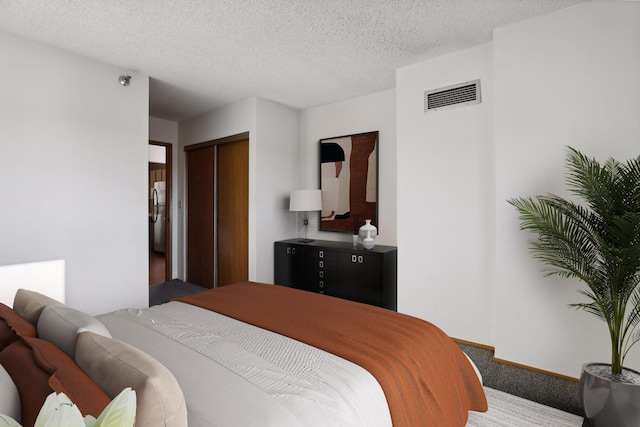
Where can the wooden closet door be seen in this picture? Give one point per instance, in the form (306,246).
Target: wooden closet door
(233,212)
(200,216)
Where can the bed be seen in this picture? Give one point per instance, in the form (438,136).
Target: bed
(253,354)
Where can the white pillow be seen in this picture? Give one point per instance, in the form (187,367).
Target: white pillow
(29,304)
(10,401)
(475,368)
(61,326)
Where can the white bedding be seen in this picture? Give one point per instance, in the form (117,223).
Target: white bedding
(235,374)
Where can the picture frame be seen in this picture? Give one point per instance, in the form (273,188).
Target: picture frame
(349,181)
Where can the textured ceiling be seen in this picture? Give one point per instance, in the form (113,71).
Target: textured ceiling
(201,54)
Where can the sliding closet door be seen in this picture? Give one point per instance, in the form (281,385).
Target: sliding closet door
(233,212)
(200,216)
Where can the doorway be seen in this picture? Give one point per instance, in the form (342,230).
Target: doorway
(159,192)
(218,211)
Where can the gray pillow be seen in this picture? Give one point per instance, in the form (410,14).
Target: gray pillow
(29,304)
(10,401)
(114,365)
(61,326)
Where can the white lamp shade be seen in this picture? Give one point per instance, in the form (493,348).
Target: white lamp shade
(305,200)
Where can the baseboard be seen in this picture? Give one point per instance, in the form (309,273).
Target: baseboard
(548,388)
(517,365)
(475,344)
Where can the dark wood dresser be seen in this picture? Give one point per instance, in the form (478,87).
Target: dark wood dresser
(337,269)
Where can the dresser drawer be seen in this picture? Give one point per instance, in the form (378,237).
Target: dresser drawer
(324,286)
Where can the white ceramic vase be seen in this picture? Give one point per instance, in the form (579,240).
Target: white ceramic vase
(368,233)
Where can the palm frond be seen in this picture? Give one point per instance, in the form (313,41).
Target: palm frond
(633,317)
(597,243)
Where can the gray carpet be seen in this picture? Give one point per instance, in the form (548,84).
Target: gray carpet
(165,292)
(507,410)
(546,389)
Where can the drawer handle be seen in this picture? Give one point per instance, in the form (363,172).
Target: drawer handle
(360,259)
(321,254)
(321,273)
(354,258)
(293,250)
(321,264)
(321,283)
(288,250)
(321,292)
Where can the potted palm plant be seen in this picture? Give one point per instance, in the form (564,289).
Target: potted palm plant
(597,243)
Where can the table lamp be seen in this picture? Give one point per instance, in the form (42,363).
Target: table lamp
(305,201)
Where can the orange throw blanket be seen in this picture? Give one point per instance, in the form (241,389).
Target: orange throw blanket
(426,378)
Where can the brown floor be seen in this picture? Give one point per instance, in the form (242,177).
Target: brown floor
(156,268)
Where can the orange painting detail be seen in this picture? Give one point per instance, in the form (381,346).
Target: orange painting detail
(349,181)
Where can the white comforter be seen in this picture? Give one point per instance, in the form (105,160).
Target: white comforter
(235,374)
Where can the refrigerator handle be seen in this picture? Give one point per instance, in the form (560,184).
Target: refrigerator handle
(155,205)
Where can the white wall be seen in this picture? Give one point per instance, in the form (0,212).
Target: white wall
(272,136)
(157,153)
(569,78)
(445,198)
(161,130)
(277,149)
(364,114)
(73,161)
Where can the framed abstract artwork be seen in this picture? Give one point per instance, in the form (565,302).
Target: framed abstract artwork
(349,181)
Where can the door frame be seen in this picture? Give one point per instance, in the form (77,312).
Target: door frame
(168,253)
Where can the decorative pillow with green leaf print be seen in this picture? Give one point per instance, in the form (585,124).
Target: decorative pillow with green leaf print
(59,411)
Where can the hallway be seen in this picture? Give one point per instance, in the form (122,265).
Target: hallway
(156,268)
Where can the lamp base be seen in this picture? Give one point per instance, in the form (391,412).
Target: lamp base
(304,223)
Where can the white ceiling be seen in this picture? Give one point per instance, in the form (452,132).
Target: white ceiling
(201,54)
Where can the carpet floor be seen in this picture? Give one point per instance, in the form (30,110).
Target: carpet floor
(165,292)
(507,410)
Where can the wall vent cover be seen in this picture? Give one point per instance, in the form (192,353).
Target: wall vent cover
(459,95)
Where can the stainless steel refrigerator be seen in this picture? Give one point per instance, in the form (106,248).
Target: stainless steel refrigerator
(157,216)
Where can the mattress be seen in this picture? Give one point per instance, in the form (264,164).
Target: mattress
(425,376)
(236,374)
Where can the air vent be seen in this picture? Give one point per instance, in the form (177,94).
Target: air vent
(459,95)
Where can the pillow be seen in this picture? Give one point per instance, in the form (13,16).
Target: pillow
(114,365)
(29,304)
(38,368)
(13,325)
(475,368)
(10,402)
(61,326)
